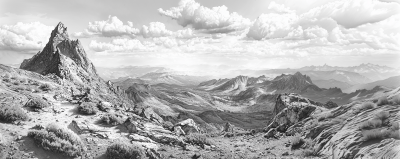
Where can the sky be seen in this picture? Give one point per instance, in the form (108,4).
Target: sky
(207,35)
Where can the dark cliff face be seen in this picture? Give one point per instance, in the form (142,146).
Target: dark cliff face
(61,56)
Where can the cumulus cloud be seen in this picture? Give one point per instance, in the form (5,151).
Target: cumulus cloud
(112,27)
(119,45)
(336,23)
(155,29)
(211,20)
(24,37)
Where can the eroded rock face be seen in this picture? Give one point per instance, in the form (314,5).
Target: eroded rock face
(290,109)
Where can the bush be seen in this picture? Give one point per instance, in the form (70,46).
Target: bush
(124,151)
(197,139)
(45,87)
(367,105)
(6,80)
(37,103)
(58,139)
(296,142)
(371,124)
(374,134)
(113,119)
(88,108)
(16,83)
(396,99)
(168,125)
(383,115)
(11,113)
(382,101)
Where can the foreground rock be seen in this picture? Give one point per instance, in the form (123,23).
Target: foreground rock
(289,110)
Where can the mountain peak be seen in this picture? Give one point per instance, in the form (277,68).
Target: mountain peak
(64,57)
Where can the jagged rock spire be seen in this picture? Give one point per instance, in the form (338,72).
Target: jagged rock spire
(62,56)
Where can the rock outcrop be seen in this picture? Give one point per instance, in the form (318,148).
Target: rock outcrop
(188,126)
(289,109)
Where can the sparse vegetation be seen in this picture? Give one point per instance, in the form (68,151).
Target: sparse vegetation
(124,151)
(45,87)
(197,139)
(113,119)
(374,134)
(396,99)
(88,108)
(296,142)
(382,115)
(371,124)
(58,139)
(11,113)
(382,101)
(367,105)
(37,103)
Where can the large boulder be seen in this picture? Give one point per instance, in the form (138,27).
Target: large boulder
(188,126)
(82,127)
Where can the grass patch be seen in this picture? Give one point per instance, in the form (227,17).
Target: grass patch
(124,151)
(11,113)
(88,108)
(112,119)
(382,101)
(58,139)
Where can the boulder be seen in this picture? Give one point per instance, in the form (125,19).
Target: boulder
(139,138)
(82,127)
(148,113)
(131,125)
(330,105)
(188,126)
(178,131)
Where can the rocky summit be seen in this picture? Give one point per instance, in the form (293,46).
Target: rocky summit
(56,105)
(63,57)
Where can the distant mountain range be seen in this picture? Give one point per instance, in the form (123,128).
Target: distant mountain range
(390,83)
(371,71)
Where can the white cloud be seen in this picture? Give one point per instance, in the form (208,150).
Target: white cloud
(24,36)
(120,45)
(279,8)
(112,27)
(155,29)
(211,20)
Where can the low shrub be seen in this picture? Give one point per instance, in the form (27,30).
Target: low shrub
(396,100)
(383,115)
(374,134)
(16,83)
(296,142)
(58,139)
(11,113)
(113,119)
(197,139)
(37,103)
(371,124)
(310,152)
(45,87)
(88,108)
(124,151)
(382,101)
(367,105)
